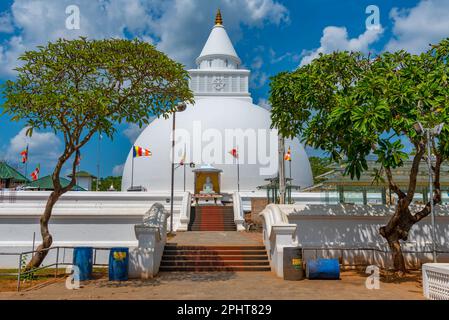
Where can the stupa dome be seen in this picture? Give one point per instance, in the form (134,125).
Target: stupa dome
(223,118)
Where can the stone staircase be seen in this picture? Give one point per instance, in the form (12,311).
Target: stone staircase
(212,218)
(215,258)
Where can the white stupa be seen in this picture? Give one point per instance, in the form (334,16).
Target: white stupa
(223,118)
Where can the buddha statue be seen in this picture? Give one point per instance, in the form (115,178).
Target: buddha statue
(208,187)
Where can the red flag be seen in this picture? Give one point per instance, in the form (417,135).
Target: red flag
(234,153)
(288,155)
(35,173)
(24,155)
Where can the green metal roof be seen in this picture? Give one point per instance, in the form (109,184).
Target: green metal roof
(46,183)
(83,174)
(335,177)
(7,172)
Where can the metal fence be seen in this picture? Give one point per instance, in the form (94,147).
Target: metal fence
(371,260)
(60,260)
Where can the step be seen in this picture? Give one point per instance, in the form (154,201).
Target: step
(205,257)
(215,269)
(215,252)
(213,263)
(220,223)
(169,246)
(213,229)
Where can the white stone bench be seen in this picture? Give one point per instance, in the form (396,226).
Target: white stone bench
(436,281)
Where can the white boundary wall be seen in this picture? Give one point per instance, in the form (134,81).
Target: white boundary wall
(98,219)
(346,226)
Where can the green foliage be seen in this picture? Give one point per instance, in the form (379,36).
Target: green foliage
(80,87)
(353,106)
(319,166)
(105,184)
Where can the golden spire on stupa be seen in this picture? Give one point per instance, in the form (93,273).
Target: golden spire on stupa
(218,18)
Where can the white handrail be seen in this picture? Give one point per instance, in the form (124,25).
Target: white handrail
(186,205)
(239,215)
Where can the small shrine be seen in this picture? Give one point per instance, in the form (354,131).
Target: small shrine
(207,185)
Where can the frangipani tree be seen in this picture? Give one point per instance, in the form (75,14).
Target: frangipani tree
(79,87)
(353,106)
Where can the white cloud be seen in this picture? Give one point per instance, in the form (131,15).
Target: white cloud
(414,29)
(6,22)
(133,131)
(44,148)
(177,27)
(337,39)
(118,170)
(264,103)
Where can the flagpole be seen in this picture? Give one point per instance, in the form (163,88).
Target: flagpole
(132,171)
(184,165)
(26,162)
(98,161)
(238,175)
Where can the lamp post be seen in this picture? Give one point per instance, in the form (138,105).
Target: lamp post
(430,132)
(180,108)
(281,151)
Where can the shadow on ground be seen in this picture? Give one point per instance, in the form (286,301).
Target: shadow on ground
(166,278)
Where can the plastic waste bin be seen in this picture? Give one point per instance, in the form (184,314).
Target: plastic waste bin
(293,269)
(328,269)
(82,260)
(118,264)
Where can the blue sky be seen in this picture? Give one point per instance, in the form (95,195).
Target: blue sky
(269,35)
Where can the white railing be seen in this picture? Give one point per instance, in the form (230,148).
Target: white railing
(239,214)
(436,281)
(278,233)
(186,207)
(145,260)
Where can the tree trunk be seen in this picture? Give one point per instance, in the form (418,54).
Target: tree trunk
(47,240)
(398,229)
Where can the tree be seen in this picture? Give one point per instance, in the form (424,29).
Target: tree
(352,106)
(80,87)
(319,166)
(105,183)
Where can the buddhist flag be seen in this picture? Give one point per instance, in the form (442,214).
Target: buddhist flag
(288,155)
(24,155)
(234,153)
(141,152)
(35,173)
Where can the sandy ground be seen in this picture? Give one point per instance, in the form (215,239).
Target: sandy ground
(227,286)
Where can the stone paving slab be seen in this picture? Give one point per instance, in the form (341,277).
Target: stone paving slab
(228,286)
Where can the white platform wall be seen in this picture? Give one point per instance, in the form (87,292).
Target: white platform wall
(348,226)
(98,219)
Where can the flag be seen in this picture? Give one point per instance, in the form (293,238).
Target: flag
(141,152)
(288,155)
(24,155)
(78,160)
(234,153)
(35,173)
(183,159)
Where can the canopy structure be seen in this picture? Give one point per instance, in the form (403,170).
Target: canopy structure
(46,184)
(273,189)
(10,177)
(336,181)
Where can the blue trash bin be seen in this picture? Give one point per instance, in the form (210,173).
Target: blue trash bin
(118,264)
(82,259)
(327,269)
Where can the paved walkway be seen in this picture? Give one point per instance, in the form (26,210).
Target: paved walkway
(228,286)
(216,238)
